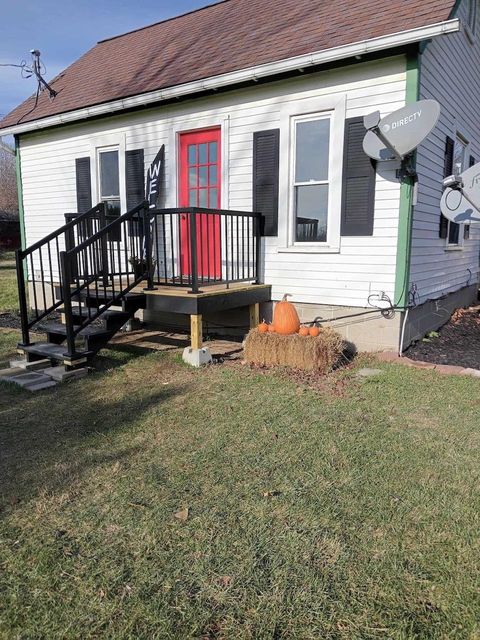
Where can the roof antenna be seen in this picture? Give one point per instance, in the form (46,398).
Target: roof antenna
(37,69)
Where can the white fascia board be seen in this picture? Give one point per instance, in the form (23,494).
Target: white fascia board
(244,75)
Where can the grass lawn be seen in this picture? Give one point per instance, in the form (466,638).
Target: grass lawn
(352,512)
(8,282)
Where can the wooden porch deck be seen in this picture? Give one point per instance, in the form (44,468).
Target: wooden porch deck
(212,298)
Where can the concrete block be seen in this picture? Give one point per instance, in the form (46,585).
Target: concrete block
(41,386)
(197,357)
(35,365)
(369,373)
(10,373)
(60,374)
(29,379)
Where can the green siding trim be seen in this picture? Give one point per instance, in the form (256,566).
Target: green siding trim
(20,192)
(404,240)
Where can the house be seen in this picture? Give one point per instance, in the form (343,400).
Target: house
(260,108)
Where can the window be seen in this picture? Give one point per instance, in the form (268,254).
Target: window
(109,182)
(472,14)
(311,178)
(459,164)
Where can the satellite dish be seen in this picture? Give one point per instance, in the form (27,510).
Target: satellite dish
(400,133)
(461,199)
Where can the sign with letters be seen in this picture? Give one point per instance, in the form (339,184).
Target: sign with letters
(461,199)
(400,133)
(154,176)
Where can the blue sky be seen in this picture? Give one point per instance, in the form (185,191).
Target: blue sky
(64,29)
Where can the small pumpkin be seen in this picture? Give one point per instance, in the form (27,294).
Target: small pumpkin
(314,331)
(271,328)
(263,327)
(285,317)
(303,331)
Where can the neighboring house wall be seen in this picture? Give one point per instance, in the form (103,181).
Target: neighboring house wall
(346,273)
(450,73)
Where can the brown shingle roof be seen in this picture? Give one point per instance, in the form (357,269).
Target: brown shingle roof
(224,37)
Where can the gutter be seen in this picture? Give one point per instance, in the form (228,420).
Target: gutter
(303,62)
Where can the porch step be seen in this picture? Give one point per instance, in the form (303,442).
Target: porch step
(130,303)
(60,329)
(53,352)
(111,317)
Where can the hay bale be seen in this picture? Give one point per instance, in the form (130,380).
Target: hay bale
(320,354)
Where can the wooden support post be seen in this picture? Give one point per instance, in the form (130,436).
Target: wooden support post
(196,331)
(254,315)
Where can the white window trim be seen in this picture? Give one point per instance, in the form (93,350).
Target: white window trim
(101,150)
(102,143)
(460,245)
(335,107)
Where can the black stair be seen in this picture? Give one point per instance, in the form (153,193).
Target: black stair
(91,338)
(94,285)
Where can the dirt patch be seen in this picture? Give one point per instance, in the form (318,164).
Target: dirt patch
(457,343)
(10,320)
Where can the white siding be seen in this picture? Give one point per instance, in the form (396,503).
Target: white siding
(361,266)
(450,73)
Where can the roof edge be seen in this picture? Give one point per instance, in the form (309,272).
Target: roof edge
(325,56)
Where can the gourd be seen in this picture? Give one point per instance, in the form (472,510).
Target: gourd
(303,331)
(271,328)
(285,317)
(314,331)
(263,327)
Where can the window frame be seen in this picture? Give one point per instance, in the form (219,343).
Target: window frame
(100,142)
(101,198)
(455,246)
(314,117)
(310,109)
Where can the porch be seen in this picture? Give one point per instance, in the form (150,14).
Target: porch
(97,272)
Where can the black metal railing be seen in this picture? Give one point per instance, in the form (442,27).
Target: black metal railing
(38,268)
(195,247)
(104,268)
(99,259)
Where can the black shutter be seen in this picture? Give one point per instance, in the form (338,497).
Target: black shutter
(358,192)
(447,171)
(266,163)
(134,178)
(84,184)
(466,228)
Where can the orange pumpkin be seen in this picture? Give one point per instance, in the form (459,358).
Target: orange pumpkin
(271,328)
(285,317)
(263,327)
(303,331)
(314,331)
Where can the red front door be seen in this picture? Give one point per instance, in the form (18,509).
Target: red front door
(200,180)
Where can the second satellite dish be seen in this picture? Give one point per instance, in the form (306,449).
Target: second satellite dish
(400,133)
(461,199)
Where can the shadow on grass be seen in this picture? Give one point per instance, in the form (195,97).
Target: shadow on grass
(48,440)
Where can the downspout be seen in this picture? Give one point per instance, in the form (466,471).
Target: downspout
(405,224)
(18,168)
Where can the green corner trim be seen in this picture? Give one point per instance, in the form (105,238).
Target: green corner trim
(20,192)
(404,241)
